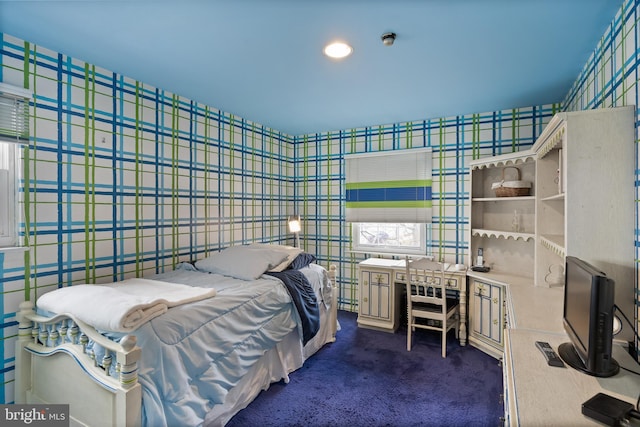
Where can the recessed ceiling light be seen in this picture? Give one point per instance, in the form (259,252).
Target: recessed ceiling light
(337,50)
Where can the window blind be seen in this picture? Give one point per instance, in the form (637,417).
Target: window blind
(390,186)
(14,114)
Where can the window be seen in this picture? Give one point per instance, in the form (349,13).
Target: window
(388,200)
(395,238)
(14,131)
(8,190)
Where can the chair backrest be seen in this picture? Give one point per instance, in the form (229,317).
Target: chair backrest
(427,282)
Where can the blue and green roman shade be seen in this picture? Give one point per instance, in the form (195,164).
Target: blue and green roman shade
(389,186)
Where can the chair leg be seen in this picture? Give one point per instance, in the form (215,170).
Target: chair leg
(409,328)
(444,342)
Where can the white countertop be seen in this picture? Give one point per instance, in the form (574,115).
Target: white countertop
(383,262)
(535,308)
(551,396)
(400,263)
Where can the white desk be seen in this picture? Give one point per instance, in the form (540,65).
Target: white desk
(380,286)
(537,394)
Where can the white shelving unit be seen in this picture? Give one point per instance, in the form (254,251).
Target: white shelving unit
(506,246)
(551,182)
(582,204)
(585,195)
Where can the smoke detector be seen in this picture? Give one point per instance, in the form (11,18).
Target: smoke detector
(388,38)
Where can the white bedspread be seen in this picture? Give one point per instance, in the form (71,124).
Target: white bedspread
(123,306)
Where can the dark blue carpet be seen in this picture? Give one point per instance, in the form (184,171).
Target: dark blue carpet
(367,378)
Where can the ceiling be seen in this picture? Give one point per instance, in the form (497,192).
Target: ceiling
(262,59)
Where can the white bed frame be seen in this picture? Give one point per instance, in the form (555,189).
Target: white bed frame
(51,370)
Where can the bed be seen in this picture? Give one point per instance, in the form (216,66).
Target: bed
(197,361)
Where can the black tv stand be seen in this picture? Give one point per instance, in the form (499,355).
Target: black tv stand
(568,353)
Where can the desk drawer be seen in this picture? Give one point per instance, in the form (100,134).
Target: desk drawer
(452,282)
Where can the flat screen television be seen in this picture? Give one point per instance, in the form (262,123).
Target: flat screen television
(588,319)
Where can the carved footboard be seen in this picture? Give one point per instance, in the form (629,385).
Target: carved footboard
(54,365)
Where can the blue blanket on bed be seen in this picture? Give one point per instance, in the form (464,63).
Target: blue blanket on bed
(304,298)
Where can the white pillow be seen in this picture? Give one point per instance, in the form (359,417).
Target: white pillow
(242,262)
(290,251)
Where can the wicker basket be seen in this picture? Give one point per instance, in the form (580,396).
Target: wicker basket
(511,188)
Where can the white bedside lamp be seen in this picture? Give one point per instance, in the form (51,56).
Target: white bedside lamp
(294,227)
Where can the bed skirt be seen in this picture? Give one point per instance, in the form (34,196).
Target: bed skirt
(276,364)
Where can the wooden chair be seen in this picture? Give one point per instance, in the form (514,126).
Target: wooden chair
(427,304)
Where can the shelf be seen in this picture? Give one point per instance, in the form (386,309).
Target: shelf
(553,242)
(509,159)
(498,234)
(503,199)
(553,198)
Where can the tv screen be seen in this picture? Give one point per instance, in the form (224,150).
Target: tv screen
(588,319)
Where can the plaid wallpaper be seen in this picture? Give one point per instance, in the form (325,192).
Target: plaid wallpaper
(123,179)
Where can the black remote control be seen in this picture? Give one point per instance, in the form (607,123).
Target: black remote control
(552,358)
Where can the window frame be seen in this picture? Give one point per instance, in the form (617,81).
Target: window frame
(356,246)
(9,185)
(14,136)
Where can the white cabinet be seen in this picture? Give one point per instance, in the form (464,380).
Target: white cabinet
(487,316)
(585,197)
(379,296)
